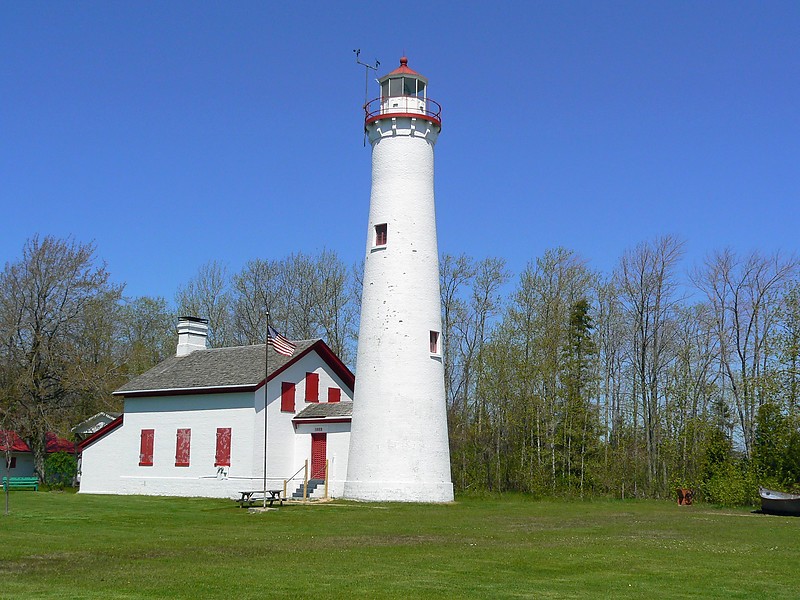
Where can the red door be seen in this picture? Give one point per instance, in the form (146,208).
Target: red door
(319,443)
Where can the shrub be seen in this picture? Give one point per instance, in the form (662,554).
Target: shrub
(731,484)
(61,469)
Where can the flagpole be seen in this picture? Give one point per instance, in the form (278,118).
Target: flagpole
(266,386)
(285,348)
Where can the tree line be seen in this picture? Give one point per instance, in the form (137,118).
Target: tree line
(631,383)
(560,380)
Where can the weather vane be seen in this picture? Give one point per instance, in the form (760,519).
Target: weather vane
(367,68)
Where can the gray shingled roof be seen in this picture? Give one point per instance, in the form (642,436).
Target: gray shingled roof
(216,367)
(326,410)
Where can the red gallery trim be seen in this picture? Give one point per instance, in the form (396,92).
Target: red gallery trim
(383,116)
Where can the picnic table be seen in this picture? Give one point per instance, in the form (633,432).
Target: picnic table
(250,497)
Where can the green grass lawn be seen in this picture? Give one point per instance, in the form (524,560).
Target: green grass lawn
(62,545)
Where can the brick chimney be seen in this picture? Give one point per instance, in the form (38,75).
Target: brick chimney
(192,335)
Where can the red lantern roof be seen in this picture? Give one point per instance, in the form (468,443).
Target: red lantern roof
(403,68)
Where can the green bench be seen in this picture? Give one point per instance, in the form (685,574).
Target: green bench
(21,483)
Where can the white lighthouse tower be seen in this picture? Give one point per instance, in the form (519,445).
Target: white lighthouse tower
(398,445)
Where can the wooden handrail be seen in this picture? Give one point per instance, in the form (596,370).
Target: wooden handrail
(285,481)
(305,483)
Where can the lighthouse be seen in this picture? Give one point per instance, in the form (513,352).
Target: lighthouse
(398,444)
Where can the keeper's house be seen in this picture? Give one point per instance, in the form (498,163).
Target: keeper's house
(194,425)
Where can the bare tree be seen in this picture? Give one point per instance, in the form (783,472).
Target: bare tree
(147,333)
(745,294)
(207,295)
(297,281)
(334,309)
(455,274)
(611,339)
(307,296)
(647,283)
(54,307)
(255,290)
(691,387)
(5,444)
(470,300)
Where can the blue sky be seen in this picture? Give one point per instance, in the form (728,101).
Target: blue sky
(174,133)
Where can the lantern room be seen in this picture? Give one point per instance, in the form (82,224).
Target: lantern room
(404,92)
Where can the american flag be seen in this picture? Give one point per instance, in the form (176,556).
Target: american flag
(280,343)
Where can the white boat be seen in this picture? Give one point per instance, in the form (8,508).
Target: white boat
(779,503)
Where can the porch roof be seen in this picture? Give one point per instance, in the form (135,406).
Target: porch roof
(325,410)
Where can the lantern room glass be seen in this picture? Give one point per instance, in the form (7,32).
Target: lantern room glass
(403,86)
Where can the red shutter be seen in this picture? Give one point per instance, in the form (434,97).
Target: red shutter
(146,448)
(287,396)
(312,387)
(319,446)
(334,394)
(223,457)
(182,446)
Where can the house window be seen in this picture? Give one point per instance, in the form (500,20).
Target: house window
(146,447)
(334,394)
(287,397)
(434,342)
(182,446)
(380,234)
(11,463)
(223,455)
(312,387)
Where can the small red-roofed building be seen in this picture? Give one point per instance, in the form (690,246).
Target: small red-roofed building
(20,458)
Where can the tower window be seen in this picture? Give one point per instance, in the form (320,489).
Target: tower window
(380,234)
(434,342)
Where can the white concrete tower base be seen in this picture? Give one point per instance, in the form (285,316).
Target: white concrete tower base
(399,444)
